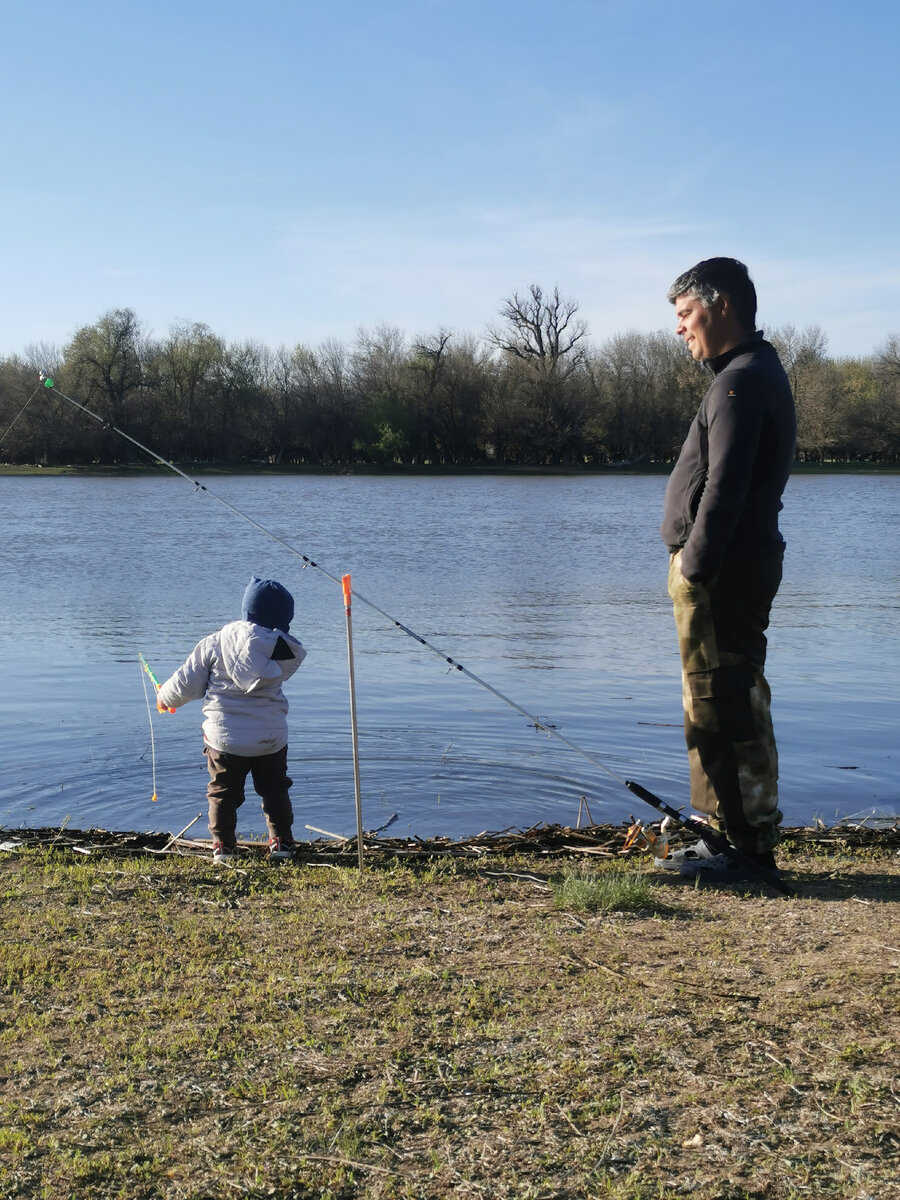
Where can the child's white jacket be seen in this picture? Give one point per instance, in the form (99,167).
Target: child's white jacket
(240,670)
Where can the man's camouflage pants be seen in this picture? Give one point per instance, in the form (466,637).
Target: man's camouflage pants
(721,626)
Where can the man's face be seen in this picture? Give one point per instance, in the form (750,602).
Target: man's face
(706,331)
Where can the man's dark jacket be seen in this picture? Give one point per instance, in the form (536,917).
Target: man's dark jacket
(724,494)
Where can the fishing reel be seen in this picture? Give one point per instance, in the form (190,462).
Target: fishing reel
(645,837)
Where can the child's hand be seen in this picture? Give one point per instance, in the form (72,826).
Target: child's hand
(161,707)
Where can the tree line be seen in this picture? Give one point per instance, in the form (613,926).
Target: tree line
(531,390)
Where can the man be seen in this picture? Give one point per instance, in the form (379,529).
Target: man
(720,523)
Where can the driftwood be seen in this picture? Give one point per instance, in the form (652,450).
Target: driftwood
(556,841)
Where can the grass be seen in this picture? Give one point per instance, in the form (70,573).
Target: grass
(173,1030)
(614,889)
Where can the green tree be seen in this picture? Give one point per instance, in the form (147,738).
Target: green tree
(380,366)
(104,364)
(243,412)
(327,406)
(183,372)
(454,377)
(649,390)
(34,426)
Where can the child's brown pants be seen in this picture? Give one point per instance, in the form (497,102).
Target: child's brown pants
(225,792)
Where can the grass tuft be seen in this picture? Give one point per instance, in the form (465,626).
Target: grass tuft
(614,890)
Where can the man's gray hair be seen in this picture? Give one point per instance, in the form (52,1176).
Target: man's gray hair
(708,279)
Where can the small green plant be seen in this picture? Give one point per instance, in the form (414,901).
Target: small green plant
(608,891)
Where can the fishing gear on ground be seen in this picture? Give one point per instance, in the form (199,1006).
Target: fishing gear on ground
(717,841)
(641,836)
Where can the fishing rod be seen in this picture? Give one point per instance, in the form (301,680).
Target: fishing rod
(146,668)
(717,841)
(154,681)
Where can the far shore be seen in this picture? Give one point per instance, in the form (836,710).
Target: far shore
(411,469)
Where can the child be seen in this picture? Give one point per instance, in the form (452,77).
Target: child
(239,670)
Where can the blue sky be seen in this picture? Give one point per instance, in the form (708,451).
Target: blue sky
(290,171)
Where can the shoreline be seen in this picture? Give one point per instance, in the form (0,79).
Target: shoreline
(410,469)
(552,841)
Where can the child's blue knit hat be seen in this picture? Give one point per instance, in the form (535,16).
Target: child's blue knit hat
(268,603)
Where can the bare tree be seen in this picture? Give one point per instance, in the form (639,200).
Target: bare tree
(813,383)
(887,358)
(542,331)
(539,410)
(881,432)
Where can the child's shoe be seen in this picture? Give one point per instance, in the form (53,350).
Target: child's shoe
(224,854)
(280,850)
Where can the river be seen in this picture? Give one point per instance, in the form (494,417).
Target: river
(549,588)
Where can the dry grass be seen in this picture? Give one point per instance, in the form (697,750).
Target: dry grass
(170,1029)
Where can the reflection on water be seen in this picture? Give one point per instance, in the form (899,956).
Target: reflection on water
(552,589)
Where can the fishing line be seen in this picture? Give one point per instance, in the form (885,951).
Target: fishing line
(718,841)
(308,562)
(150,720)
(21,410)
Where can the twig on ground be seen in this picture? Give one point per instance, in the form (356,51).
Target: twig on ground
(181,833)
(651,983)
(612,1132)
(338,837)
(347,1162)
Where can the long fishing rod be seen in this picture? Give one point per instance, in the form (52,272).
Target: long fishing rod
(717,841)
